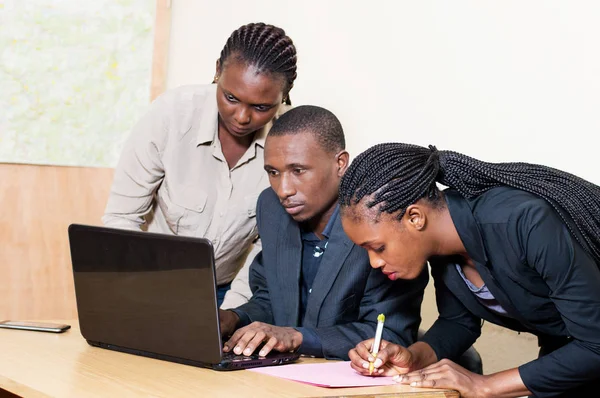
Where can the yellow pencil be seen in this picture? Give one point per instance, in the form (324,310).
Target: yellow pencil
(377,342)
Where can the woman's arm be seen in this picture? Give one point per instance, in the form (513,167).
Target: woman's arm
(456,328)
(418,366)
(240,292)
(139,171)
(447,374)
(573,281)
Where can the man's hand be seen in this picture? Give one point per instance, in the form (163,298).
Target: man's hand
(228,321)
(247,339)
(391,360)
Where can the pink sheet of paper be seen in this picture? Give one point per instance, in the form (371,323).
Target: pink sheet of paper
(327,374)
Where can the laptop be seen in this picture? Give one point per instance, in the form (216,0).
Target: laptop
(153,295)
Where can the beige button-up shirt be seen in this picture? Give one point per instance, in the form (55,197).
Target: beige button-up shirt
(172,178)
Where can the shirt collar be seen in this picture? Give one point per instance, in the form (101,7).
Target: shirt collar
(310,235)
(331,222)
(466,226)
(208,124)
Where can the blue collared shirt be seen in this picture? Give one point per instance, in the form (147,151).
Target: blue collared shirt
(313,250)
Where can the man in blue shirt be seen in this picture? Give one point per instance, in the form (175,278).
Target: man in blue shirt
(313,248)
(314,291)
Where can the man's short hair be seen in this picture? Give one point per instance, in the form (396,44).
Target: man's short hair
(320,122)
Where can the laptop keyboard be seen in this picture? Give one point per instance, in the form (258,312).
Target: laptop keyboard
(231,356)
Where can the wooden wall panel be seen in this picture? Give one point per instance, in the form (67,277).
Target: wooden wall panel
(160,53)
(37,203)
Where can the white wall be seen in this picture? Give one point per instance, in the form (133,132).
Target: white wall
(502,81)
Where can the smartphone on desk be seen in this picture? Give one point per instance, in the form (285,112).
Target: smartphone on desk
(35,326)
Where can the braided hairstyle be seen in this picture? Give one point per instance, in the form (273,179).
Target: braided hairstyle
(397,175)
(267,48)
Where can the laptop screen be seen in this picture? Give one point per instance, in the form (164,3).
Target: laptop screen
(146,291)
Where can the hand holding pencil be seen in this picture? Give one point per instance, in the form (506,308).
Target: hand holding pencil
(378,357)
(377,343)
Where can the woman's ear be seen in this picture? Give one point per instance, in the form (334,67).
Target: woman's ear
(415,217)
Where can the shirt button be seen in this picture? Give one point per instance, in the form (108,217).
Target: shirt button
(309,291)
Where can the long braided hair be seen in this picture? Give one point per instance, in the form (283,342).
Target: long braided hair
(267,48)
(400,174)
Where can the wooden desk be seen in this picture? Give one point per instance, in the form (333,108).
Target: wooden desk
(37,364)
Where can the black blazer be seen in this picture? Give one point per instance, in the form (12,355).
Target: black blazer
(543,277)
(347,294)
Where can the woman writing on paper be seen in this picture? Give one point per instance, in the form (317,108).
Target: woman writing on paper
(514,244)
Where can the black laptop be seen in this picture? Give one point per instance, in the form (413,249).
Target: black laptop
(153,295)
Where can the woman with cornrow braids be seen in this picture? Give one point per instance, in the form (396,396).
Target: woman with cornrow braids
(193,164)
(514,244)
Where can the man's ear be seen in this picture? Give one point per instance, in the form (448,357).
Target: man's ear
(415,217)
(343,161)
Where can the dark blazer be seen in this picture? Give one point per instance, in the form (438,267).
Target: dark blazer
(347,294)
(541,275)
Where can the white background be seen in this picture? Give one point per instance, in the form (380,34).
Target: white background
(500,81)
